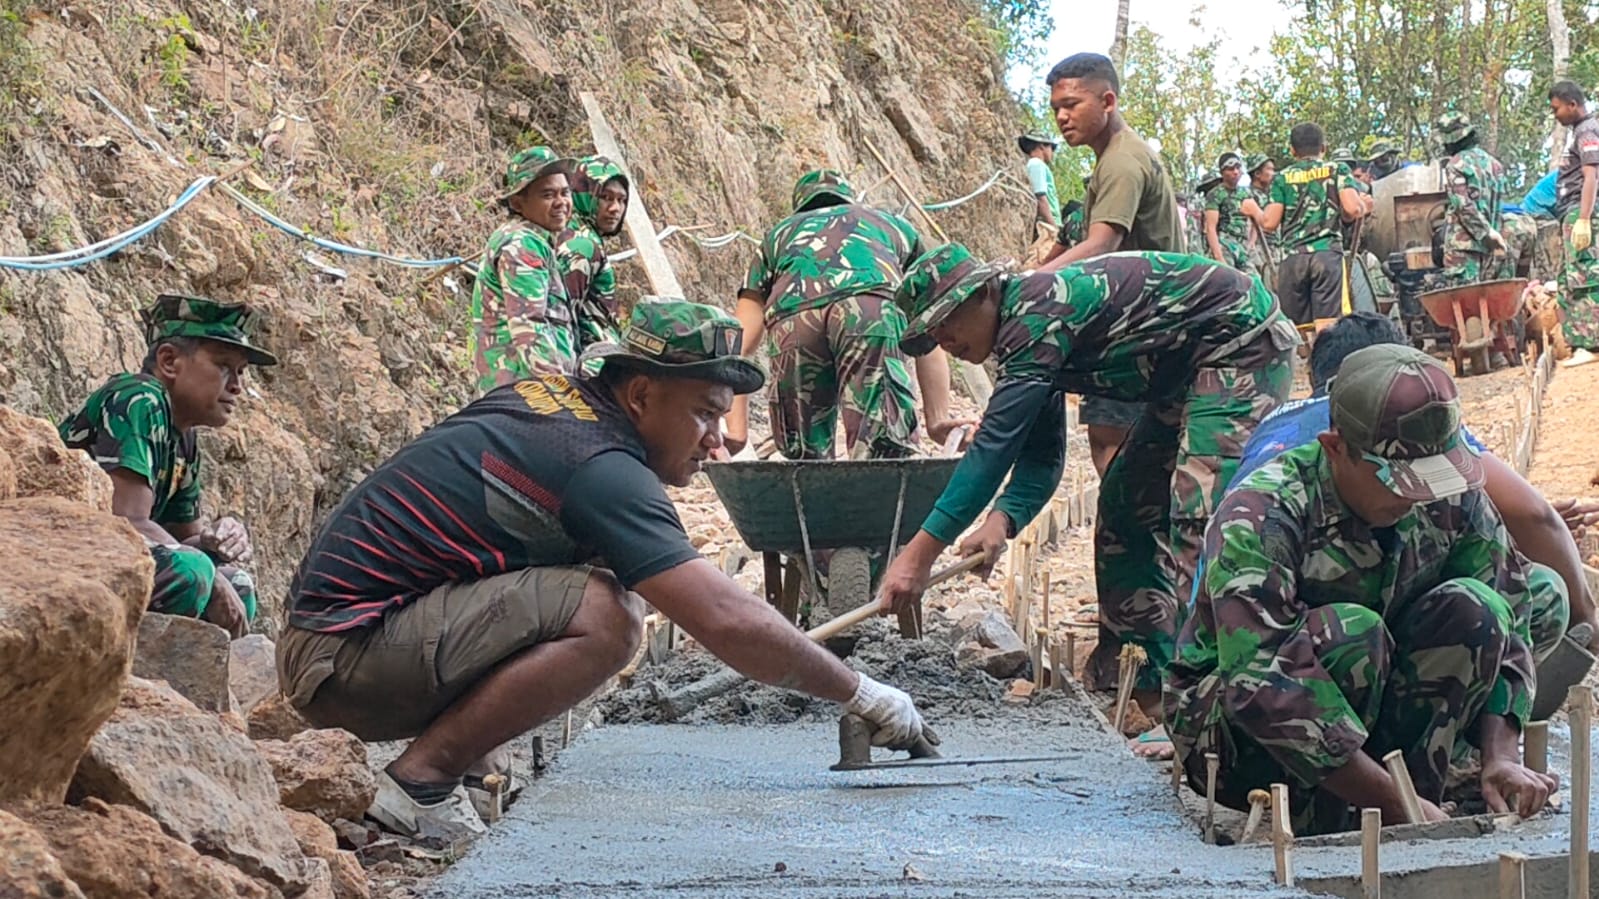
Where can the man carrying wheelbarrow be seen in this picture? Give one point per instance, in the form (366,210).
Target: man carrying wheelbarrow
(482,580)
(821,291)
(1202,345)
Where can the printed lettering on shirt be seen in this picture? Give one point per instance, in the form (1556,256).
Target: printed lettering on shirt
(552,394)
(1305,176)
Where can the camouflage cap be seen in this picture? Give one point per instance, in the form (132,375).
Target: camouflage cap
(529,165)
(1399,408)
(668,336)
(1255,161)
(1228,160)
(1453,127)
(935,284)
(1380,149)
(179,316)
(588,176)
(1027,141)
(1343,155)
(819,183)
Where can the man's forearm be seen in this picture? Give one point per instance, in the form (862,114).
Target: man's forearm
(1044,211)
(1095,244)
(1364,783)
(1498,738)
(932,376)
(1590,180)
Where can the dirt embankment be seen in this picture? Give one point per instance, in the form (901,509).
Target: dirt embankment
(386,125)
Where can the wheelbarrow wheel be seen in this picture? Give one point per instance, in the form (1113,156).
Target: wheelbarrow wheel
(849,578)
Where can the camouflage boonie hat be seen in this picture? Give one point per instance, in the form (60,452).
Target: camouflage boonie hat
(935,284)
(1453,127)
(1400,409)
(179,316)
(819,183)
(587,177)
(1203,185)
(1380,149)
(1343,155)
(1035,137)
(1255,161)
(680,339)
(1229,159)
(529,165)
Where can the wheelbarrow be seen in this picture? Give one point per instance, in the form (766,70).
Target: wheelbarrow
(1481,319)
(790,510)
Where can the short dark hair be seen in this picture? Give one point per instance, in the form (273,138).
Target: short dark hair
(1569,92)
(184,345)
(1355,331)
(1307,138)
(1086,67)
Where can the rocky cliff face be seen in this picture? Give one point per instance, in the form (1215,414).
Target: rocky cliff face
(385,124)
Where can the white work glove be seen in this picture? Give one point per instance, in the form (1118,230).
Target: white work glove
(891,712)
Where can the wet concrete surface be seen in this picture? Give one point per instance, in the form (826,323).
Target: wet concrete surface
(711,811)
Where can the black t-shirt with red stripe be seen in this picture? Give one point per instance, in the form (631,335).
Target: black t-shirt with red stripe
(546,471)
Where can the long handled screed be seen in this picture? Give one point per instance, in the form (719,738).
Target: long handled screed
(679,703)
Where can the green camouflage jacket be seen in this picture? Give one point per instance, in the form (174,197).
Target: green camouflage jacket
(1074,229)
(586,270)
(815,257)
(1284,542)
(1312,215)
(1232,226)
(522,321)
(127,424)
(1476,183)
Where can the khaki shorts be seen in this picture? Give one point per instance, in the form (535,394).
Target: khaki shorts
(389,681)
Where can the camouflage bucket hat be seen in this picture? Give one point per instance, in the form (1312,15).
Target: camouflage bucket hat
(1400,409)
(1255,161)
(179,316)
(529,165)
(684,340)
(1204,184)
(1453,127)
(1343,155)
(818,183)
(1229,160)
(934,286)
(1380,149)
(588,177)
(1026,142)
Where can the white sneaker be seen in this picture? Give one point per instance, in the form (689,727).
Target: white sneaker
(448,822)
(1579,357)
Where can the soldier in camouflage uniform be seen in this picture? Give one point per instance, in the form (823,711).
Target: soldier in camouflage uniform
(1194,214)
(1309,201)
(1383,160)
(523,322)
(1226,226)
(1263,250)
(822,290)
(599,204)
(1202,345)
(1073,227)
(1575,189)
(140,428)
(1476,182)
(1360,595)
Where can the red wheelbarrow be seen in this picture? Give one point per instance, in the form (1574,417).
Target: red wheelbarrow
(1482,320)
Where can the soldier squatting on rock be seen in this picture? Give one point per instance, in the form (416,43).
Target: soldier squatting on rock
(140,428)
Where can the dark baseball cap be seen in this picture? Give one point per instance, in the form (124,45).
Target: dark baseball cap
(1399,408)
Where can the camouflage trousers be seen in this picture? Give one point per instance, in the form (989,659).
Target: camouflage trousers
(1463,266)
(1235,253)
(1156,498)
(843,358)
(595,325)
(183,581)
(1416,680)
(1579,292)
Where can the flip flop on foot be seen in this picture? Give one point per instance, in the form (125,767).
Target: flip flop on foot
(1152,744)
(1579,357)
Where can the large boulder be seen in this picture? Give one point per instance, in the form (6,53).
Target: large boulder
(202,780)
(114,852)
(274,718)
(317,840)
(323,772)
(30,869)
(189,654)
(44,466)
(72,588)
(252,671)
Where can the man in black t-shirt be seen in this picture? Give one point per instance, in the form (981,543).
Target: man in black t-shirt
(479,583)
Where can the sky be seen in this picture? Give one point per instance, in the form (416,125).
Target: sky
(1089,25)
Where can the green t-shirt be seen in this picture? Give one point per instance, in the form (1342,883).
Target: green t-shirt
(1042,181)
(1129,189)
(127,424)
(1312,212)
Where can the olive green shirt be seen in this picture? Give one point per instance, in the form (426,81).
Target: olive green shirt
(1129,190)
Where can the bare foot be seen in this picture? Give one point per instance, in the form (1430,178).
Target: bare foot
(1153,744)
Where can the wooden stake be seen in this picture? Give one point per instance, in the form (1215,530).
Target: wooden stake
(1212,768)
(1370,866)
(1536,751)
(1040,637)
(1512,875)
(1579,702)
(1057,674)
(1407,788)
(1132,659)
(1282,835)
(566,732)
(1176,774)
(1043,599)
(1071,653)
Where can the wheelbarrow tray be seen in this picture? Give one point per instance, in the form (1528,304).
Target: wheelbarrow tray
(1503,296)
(847,503)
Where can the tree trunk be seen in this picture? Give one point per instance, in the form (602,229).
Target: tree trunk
(1560,41)
(1118,47)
